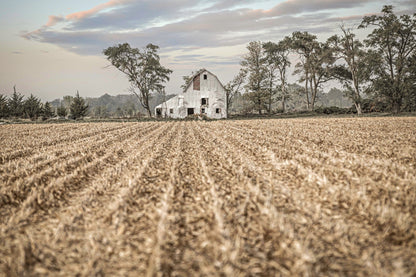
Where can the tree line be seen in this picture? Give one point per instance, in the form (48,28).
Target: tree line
(16,106)
(382,67)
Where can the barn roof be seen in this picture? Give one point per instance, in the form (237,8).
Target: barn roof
(199,73)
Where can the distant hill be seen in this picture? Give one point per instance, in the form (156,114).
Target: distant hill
(122,105)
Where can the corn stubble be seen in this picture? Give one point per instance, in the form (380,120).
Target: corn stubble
(309,197)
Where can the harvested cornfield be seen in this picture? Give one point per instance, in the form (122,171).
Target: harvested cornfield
(309,197)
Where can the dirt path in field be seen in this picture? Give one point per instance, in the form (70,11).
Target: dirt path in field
(224,198)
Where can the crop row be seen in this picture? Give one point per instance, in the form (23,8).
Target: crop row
(223,198)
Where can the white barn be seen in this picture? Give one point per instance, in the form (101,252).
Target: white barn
(204,95)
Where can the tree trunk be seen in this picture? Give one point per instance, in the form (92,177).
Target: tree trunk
(357,97)
(358,108)
(227,109)
(149,112)
(270,97)
(396,107)
(313,96)
(283,103)
(259,106)
(283,92)
(306,91)
(147,107)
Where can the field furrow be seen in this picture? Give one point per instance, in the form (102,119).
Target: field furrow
(48,156)
(289,197)
(57,138)
(307,196)
(50,187)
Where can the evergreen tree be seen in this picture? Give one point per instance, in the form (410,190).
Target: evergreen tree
(61,111)
(78,107)
(32,107)
(4,109)
(47,111)
(15,104)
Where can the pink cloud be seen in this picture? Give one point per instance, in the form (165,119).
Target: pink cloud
(96,9)
(53,19)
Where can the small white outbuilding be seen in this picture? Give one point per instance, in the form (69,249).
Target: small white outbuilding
(204,95)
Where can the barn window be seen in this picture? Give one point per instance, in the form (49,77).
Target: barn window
(205,77)
(190,111)
(217,110)
(203,110)
(204,101)
(171,111)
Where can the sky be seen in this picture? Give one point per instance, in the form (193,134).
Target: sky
(53,48)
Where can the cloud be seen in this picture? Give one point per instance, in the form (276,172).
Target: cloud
(189,24)
(95,10)
(54,20)
(301,6)
(17,53)
(208,59)
(128,15)
(229,4)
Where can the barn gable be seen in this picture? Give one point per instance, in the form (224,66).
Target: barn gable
(204,95)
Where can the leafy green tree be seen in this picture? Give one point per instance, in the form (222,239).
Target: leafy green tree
(47,110)
(187,80)
(278,55)
(129,108)
(234,87)
(316,63)
(119,112)
(67,100)
(256,87)
(15,104)
(320,67)
(61,111)
(4,109)
(271,76)
(101,111)
(304,44)
(393,39)
(143,69)
(78,107)
(32,107)
(356,72)
(409,103)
